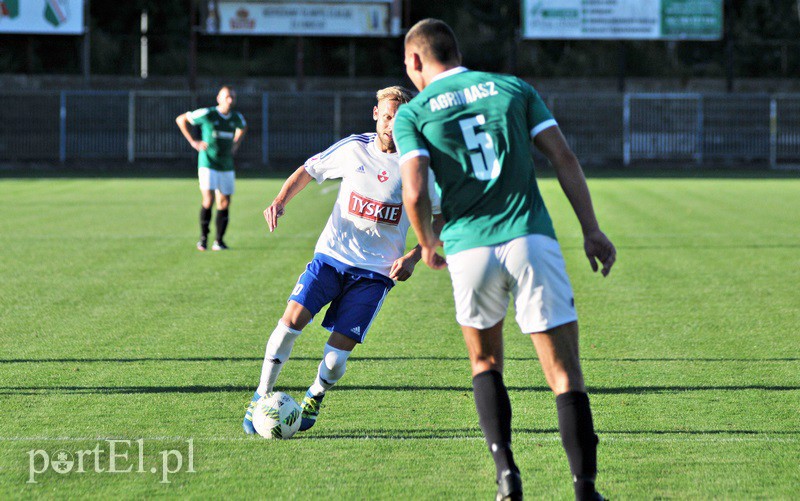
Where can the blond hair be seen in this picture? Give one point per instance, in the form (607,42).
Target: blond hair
(394,93)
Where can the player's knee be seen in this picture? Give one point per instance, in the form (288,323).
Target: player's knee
(563,381)
(296,316)
(292,323)
(483,364)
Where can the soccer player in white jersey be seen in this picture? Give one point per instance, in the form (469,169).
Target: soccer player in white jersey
(358,257)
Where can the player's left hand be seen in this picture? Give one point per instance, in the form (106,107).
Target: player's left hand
(402,269)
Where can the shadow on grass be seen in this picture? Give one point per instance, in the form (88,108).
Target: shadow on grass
(464,433)
(195,389)
(374,359)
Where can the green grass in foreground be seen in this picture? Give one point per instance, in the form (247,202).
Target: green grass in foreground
(114,327)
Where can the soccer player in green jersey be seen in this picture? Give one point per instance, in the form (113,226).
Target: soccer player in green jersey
(222,131)
(473,129)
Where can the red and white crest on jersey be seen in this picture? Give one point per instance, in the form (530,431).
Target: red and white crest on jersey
(383,176)
(374,210)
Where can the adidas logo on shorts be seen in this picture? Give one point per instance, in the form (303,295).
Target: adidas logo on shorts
(356,330)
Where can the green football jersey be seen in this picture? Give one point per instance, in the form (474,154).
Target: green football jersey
(217,130)
(476,127)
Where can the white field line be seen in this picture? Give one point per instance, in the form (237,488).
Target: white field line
(689,438)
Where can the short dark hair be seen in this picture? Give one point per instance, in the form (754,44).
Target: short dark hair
(435,40)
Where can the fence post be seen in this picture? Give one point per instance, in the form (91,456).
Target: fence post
(62,129)
(626,130)
(773,133)
(337,116)
(131,127)
(265,128)
(700,133)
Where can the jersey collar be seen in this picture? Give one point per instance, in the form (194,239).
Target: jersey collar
(376,149)
(223,115)
(451,71)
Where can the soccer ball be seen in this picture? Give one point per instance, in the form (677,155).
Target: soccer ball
(276,415)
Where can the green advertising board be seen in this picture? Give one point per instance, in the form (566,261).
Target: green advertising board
(622,19)
(691,19)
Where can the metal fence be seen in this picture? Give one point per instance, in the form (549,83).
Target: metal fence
(289,127)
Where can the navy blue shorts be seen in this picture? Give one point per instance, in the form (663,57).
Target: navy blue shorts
(354,299)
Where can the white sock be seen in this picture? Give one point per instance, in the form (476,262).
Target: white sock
(331,369)
(279,347)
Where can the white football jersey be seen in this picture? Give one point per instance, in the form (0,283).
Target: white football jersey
(368,226)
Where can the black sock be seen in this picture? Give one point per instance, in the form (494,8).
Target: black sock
(205,220)
(222,223)
(579,441)
(494,415)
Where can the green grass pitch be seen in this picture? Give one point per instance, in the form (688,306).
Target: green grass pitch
(115,327)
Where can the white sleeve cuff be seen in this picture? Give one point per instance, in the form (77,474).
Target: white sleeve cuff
(311,172)
(413,154)
(542,126)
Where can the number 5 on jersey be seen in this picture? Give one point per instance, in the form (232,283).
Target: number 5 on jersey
(484,160)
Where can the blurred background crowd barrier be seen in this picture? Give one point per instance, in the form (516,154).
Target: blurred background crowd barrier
(285,128)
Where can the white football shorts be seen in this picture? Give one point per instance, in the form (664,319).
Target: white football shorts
(216,180)
(530,268)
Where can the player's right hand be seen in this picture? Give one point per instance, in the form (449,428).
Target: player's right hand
(432,259)
(200,145)
(599,247)
(271,215)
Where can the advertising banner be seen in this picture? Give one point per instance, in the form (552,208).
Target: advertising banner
(44,17)
(622,19)
(227,17)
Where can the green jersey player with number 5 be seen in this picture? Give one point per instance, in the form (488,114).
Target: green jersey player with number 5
(474,129)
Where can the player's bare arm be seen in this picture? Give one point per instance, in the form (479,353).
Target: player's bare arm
(238,137)
(293,185)
(183,124)
(414,172)
(597,246)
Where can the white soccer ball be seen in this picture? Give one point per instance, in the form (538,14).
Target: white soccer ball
(277,415)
